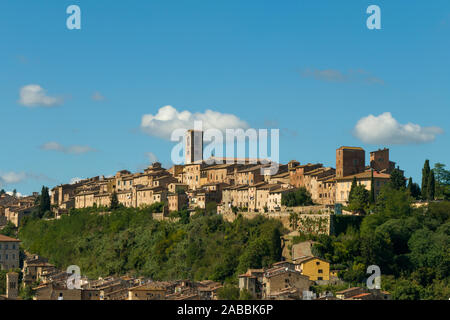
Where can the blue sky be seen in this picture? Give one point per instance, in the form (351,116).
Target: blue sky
(310,68)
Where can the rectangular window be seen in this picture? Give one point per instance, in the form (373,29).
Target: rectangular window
(320,271)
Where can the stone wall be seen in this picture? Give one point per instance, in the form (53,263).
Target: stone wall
(283,216)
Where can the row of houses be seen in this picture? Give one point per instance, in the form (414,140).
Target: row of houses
(251,185)
(14,208)
(49,283)
(243,183)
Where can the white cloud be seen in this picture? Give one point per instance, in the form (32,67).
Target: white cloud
(75,180)
(74,149)
(151,157)
(18,194)
(97,96)
(12,177)
(384,129)
(34,95)
(167,119)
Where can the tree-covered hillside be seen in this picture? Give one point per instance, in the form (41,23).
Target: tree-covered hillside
(128,240)
(410,245)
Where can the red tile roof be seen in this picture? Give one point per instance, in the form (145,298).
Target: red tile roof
(8,239)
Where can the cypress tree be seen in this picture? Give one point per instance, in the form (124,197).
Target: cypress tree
(410,182)
(44,201)
(372,188)
(431,185)
(352,189)
(114,201)
(425,179)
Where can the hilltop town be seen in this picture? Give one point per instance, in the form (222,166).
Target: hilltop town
(246,186)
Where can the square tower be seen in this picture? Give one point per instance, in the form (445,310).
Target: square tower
(194,146)
(350,160)
(379,160)
(12,285)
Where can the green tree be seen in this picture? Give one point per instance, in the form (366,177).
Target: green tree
(425,179)
(298,197)
(372,188)
(431,186)
(293,220)
(352,189)
(44,201)
(359,200)
(246,295)
(9,230)
(397,180)
(442,181)
(2,192)
(413,188)
(26,293)
(228,292)
(114,201)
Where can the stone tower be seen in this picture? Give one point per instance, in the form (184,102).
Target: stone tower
(194,146)
(12,285)
(350,160)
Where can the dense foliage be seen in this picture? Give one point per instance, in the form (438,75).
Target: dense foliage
(129,241)
(299,197)
(411,246)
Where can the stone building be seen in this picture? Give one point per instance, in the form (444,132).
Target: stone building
(349,161)
(313,267)
(9,253)
(344,184)
(379,161)
(176,201)
(279,279)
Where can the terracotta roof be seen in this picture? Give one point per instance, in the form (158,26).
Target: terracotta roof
(361,295)
(353,148)
(366,175)
(348,290)
(8,239)
(307,258)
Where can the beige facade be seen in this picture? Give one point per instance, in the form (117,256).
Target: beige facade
(151,291)
(313,267)
(84,199)
(277,280)
(16,214)
(177,201)
(191,175)
(344,184)
(9,253)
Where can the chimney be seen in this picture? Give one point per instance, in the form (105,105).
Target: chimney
(12,285)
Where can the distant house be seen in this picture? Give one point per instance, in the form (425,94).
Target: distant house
(358,293)
(9,253)
(151,291)
(313,267)
(279,280)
